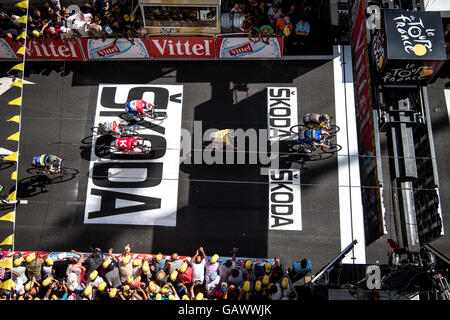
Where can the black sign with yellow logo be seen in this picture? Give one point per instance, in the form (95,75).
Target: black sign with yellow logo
(409,47)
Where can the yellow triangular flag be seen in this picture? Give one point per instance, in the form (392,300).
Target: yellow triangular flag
(21,50)
(17,83)
(16,102)
(21,36)
(17,67)
(15,119)
(11,157)
(8,241)
(14,136)
(22,19)
(12,196)
(22,4)
(14,175)
(8,285)
(8,217)
(7,263)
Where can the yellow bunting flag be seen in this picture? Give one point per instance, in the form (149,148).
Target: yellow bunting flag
(21,36)
(16,102)
(22,19)
(17,67)
(15,119)
(14,137)
(21,51)
(11,157)
(14,175)
(7,263)
(8,217)
(17,83)
(12,196)
(8,285)
(22,4)
(8,241)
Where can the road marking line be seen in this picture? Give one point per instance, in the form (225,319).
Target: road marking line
(447,101)
(350,203)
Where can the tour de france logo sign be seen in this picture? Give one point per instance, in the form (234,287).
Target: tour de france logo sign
(416,35)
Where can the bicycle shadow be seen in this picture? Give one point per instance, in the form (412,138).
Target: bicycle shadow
(291,154)
(6,164)
(37,183)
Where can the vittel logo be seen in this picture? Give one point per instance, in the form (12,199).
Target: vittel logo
(54,49)
(182,47)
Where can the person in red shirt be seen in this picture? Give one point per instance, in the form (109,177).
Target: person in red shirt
(131,145)
(185,273)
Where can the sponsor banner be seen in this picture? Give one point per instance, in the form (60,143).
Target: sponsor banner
(370,182)
(136,189)
(182,47)
(7,49)
(285,200)
(54,49)
(281,112)
(121,49)
(232,48)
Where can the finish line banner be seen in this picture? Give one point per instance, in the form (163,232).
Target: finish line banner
(136,189)
(235,48)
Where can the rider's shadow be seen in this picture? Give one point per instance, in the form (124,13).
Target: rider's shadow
(32,186)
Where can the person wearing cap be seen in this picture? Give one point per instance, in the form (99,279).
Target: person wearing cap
(248,271)
(185,273)
(158,263)
(125,267)
(94,279)
(198,262)
(33,266)
(19,268)
(47,267)
(211,265)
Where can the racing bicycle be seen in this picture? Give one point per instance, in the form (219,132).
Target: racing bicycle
(327,140)
(155,115)
(108,128)
(145,147)
(326,125)
(60,169)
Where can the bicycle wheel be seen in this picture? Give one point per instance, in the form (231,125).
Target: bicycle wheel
(129,133)
(298,128)
(35,171)
(68,171)
(333,129)
(334,147)
(159,115)
(96,130)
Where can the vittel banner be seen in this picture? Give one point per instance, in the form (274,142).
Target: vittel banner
(136,189)
(54,49)
(182,47)
(121,49)
(281,112)
(285,200)
(234,48)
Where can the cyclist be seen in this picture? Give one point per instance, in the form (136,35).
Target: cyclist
(50,163)
(316,120)
(114,128)
(139,108)
(311,139)
(222,138)
(130,145)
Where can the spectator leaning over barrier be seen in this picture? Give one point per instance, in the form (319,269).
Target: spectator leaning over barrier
(254,35)
(7,27)
(225,268)
(212,265)
(174,263)
(236,278)
(185,273)
(198,262)
(112,273)
(299,269)
(266,33)
(125,265)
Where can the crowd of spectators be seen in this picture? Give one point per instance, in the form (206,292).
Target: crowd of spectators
(261,19)
(98,19)
(100,276)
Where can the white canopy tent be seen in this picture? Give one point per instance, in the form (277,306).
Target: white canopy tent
(437,5)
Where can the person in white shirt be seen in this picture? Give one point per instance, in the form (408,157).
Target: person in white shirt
(198,266)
